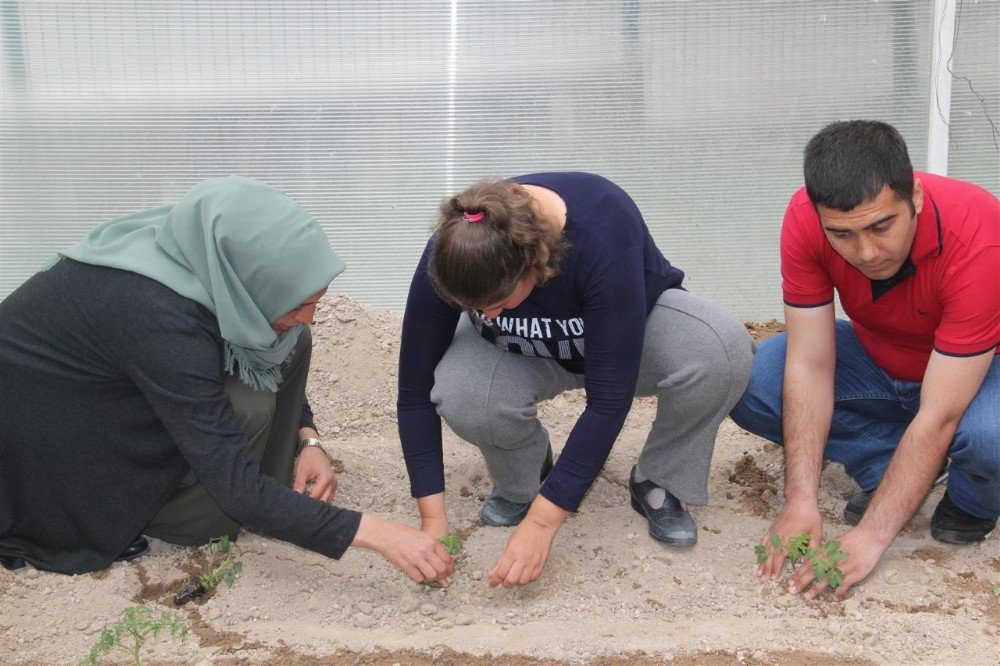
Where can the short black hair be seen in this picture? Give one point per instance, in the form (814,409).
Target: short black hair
(848,163)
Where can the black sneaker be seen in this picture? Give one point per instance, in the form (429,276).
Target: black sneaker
(12,562)
(855,507)
(138,546)
(952,525)
(498,511)
(671,523)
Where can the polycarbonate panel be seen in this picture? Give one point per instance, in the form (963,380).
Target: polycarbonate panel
(974,150)
(370,112)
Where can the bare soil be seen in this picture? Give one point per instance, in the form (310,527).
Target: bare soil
(609,595)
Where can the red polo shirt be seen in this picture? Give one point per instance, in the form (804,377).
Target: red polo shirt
(950,302)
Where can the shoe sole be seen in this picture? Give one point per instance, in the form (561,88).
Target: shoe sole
(679,543)
(951,536)
(493,523)
(132,556)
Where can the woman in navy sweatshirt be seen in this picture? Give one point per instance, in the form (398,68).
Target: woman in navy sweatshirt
(542,264)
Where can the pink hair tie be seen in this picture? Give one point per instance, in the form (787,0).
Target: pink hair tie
(474,217)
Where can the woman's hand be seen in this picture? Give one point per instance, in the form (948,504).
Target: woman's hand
(313,466)
(527,550)
(414,552)
(433,518)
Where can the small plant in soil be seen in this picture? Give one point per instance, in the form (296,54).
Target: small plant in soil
(225,570)
(453,545)
(138,623)
(823,560)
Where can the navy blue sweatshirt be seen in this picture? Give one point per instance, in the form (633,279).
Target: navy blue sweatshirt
(608,282)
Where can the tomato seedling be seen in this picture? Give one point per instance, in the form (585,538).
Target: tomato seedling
(823,559)
(453,545)
(225,571)
(129,633)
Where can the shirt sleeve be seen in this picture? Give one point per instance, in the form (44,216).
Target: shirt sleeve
(614,314)
(178,367)
(428,328)
(306,418)
(805,282)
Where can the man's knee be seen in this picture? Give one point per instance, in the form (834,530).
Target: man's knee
(976,448)
(759,409)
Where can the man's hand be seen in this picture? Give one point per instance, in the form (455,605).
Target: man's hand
(863,553)
(950,383)
(527,550)
(796,518)
(414,552)
(313,466)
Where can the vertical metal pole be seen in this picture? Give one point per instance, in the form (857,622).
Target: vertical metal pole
(940,112)
(449,169)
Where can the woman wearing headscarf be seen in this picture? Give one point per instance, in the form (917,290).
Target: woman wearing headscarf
(152,381)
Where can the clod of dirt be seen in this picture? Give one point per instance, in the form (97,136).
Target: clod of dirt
(192,590)
(761,485)
(763,331)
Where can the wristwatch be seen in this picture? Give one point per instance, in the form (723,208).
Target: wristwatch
(310,441)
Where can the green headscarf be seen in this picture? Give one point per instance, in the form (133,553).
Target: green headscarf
(239,247)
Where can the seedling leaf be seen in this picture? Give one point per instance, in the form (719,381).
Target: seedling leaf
(835,577)
(453,545)
(137,624)
(797,546)
(823,560)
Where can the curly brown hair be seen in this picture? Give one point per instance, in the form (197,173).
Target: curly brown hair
(477,263)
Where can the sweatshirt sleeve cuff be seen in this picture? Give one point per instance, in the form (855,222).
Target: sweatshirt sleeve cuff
(345,525)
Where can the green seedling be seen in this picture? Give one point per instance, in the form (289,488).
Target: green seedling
(823,560)
(226,571)
(453,545)
(137,624)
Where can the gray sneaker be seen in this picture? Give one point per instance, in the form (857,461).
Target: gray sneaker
(498,511)
(671,523)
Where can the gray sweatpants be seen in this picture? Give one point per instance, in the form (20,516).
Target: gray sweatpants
(271,423)
(696,358)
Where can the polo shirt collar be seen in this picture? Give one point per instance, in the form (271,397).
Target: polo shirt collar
(928,241)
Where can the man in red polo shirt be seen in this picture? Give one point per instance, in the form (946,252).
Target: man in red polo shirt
(913,378)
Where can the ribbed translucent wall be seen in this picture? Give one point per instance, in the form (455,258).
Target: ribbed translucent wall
(370,112)
(974,151)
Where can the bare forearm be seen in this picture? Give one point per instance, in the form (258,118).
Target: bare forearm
(806,417)
(909,477)
(433,516)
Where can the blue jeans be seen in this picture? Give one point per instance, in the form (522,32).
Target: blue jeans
(871,411)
